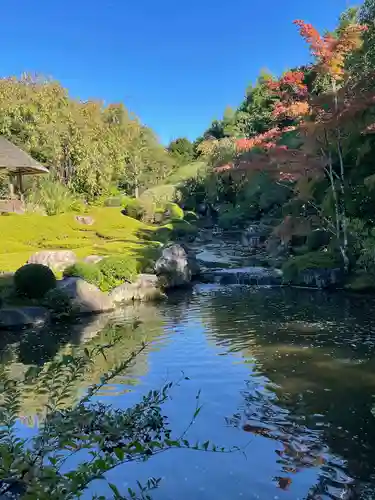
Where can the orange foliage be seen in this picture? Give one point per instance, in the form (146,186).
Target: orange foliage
(265,141)
(329,51)
(319,116)
(293,92)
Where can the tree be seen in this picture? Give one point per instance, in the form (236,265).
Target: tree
(323,121)
(86,145)
(182,150)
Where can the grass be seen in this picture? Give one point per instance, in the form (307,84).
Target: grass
(185,172)
(168,192)
(112,233)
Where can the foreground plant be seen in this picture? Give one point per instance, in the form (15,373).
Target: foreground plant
(100,437)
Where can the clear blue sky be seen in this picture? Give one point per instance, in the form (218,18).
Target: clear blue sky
(177,65)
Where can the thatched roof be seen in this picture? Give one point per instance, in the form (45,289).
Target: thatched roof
(16,161)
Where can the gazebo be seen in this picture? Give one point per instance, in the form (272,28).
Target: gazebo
(16,163)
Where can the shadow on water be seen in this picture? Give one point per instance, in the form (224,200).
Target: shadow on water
(315,354)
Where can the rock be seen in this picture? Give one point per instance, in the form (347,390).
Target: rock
(145,288)
(54,259)
(173,267)
(86,298)
(19,317)
(93,259)
(192,261)
(254,236)
(320,278)
(85,219)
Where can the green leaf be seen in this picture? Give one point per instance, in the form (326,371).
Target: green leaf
(197,411)
(120,453)
(115,490)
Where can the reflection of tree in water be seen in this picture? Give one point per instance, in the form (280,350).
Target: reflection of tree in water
(315,355)
(39,347)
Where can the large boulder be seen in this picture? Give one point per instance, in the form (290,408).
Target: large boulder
(193,263)
(146,287)
(173,267)
(86,298)
(20,317)
(54,259)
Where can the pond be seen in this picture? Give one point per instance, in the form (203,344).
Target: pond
(286,375)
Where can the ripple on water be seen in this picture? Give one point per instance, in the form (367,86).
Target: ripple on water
(287,375)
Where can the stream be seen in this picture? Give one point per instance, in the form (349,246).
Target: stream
(286,375)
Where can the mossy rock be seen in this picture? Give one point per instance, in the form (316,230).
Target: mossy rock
(315,269)
(360,282)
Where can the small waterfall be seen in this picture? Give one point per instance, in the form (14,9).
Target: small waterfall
(253,276)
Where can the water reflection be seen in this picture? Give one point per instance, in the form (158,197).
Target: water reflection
(37,347)
(288,374)
(316,352)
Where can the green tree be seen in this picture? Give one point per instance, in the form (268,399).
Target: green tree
(182,150)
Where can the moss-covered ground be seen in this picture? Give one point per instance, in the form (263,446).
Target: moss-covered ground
(111,233)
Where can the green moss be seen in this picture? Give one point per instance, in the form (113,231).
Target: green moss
(312,260)
(89,272)
(112,232)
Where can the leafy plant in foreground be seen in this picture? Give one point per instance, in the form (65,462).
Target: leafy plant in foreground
(100,437)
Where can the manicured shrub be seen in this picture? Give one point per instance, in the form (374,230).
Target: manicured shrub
(88,272)
(34,281)
(133,208)
(175,211)
(176,230)
(318,239)
(312,260)
(116,270)
(232,217)
(190,216)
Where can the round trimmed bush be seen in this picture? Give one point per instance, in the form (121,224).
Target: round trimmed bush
(34,281)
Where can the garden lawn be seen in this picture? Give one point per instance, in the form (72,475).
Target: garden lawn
(112,233)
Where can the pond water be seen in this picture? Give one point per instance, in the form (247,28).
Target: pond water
(286,375)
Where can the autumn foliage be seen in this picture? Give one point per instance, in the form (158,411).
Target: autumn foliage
(330,51)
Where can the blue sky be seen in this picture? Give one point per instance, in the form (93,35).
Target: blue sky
(177,65)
